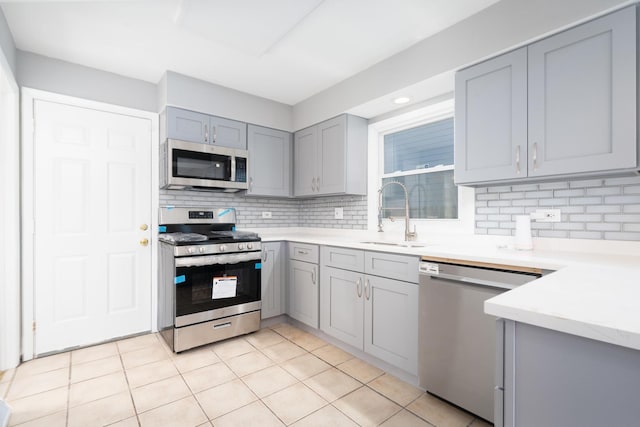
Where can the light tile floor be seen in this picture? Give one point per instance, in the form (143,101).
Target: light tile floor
(274,377)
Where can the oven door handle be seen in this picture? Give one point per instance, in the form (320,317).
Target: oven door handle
(197,261)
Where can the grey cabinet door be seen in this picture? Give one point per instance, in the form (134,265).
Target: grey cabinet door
(187,125)
(391,322)
(303,292)
(305,162)
(331,158)
(491,120)
(228,133)
(341,305)
(558,379)
(273,279)
(582,98)
(269,162)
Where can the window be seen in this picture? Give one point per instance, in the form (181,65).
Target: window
(416,149)
(421,158)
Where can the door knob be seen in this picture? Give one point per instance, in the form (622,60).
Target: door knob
(144,242)
(144,227)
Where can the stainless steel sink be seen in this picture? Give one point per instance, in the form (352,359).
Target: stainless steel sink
(398,244)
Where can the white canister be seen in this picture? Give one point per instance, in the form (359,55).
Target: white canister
(523,233)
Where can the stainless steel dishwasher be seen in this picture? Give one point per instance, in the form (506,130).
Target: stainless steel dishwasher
(457,340)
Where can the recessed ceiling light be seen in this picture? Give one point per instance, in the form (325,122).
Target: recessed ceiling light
(401,100)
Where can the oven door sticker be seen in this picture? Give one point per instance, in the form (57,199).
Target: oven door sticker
(224,287)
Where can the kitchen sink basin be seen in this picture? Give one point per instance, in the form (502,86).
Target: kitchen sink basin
(398,244)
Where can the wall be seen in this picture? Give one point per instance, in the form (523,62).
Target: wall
(182,91)
(7,45)
(591,209)
(53,75)
(500,27)
(285,212)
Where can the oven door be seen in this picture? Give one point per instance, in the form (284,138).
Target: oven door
(216,286)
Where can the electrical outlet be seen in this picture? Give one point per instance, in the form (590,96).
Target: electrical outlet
(266,214)
(546,215)
(338,213)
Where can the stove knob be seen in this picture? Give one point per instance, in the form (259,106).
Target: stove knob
(222,248)
(191,250)
(202,249)
(240,246)
(249,245)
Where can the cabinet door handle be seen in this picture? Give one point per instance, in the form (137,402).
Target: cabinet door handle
(535,155)
(367,289)
(250,183)
(518,160)
(206,133)
(264,256)
(313,184)
(213,130)
(301,252)
(318,184)
(313,276)
(359,287)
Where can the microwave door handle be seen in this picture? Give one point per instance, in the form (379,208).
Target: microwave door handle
(233,168)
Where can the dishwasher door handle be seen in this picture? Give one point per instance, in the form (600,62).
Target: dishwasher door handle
(474,281)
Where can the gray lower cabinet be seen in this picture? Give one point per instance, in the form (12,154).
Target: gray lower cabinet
(304,283)
(269,162)
(391,321)
(563,106)
(331,157)
(273,279)
(193,126)
(342,305)
(555,379)
(376,314)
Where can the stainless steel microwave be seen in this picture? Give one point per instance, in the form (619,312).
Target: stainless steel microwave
(189,165)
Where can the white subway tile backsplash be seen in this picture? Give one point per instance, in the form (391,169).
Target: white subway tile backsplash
(591,208)
(285,212)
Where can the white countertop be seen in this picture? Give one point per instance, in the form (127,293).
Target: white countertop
(595,292)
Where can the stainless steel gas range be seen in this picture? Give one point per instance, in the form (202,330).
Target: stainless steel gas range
(209,276)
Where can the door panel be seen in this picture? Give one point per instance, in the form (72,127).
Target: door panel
(391,322)
(304,165)
(92,277)
(582,98)
(341,302)
(303,292)
(270,162)
(332,154)
(491,143)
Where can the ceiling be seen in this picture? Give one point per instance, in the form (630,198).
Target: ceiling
(284,50)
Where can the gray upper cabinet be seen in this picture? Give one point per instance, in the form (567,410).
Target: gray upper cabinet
(563,106)
(331,157)
(228,133)
(192,126)
(491,143)
(270,164)
(305,163)
(582,98)
(187,125)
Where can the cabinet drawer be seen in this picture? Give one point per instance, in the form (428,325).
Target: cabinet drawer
(303,252)
(347,259)
(399,267)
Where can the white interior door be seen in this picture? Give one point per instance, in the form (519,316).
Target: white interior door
(92,208)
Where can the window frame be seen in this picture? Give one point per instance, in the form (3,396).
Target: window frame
(436,111)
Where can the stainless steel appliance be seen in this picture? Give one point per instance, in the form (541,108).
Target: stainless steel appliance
(202,166)
(457,340)
(209,277)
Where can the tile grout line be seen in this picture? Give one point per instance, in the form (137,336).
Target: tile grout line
(126,377)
